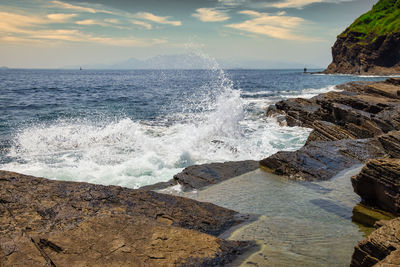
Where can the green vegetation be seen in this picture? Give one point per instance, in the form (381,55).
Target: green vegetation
(382,19)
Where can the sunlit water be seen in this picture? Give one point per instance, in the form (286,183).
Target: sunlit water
(300,223)
(134,128)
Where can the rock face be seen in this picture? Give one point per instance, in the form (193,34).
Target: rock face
(371,45)
(359,123)
(44,222)
(379,184)
(381,248)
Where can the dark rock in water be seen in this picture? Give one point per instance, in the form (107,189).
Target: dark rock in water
(370,45)
(199,176)
(322,160)
(57,223)
(379,184)
(362,110)
(381,248)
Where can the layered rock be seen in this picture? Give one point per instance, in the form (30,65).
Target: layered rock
(56,223)
(322,160)
(378,184)
(200,176)
(371,44)
(381,248)
(351,126)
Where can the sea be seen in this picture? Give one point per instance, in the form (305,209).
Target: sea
(138,127)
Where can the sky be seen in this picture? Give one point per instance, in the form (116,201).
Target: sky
(253,33)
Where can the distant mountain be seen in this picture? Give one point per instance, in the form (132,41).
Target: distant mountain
(3,68)
(194,61)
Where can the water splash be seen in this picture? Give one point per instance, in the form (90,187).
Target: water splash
(214,125)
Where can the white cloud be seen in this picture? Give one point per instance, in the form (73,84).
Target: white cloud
(18,28)
(60,17)
(142,24)
(158,19)
(210,15)
(277,26)
(80,8)
(300,3)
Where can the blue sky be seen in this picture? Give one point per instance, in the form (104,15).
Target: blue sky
(57,33)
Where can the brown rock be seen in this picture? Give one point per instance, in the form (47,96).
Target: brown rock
(199,176)
(391,143)
(57,223)
(322,160)
(378,184)
(381,248)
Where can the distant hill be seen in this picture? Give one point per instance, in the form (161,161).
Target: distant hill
(194,61)
(371,44)
(3,68)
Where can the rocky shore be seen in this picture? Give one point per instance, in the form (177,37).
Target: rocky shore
(56,223)
(359,124)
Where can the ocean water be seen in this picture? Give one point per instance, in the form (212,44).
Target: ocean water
(138,127)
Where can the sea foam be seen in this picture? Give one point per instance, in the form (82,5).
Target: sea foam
(215,125)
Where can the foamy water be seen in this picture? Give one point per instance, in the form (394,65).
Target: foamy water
(218,121)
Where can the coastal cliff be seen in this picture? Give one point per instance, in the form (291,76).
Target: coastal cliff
(371,45)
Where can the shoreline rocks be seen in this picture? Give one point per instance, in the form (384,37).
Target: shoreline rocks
(62,223)
(360,124)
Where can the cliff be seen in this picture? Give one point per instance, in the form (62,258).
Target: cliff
(371,45)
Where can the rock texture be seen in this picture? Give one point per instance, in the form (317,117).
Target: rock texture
(351,126)
(322,160)
(371,44)
(56,223)
(200,176)
(381,248)
(379,184)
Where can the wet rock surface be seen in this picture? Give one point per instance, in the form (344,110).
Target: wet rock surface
(351,126)
(322,160)
(57,223)
(200,176)
(360,124)
(381,248)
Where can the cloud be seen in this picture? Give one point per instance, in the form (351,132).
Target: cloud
(90,22)
(158,19)
(277,26)
(300,3)
(142,24)
(18,28)
(210,15)
(80,8)
(60,17)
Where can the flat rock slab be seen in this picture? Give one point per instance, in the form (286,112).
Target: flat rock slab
(200,176)
(46,222)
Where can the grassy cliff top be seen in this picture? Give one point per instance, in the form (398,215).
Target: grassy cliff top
(383,18)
